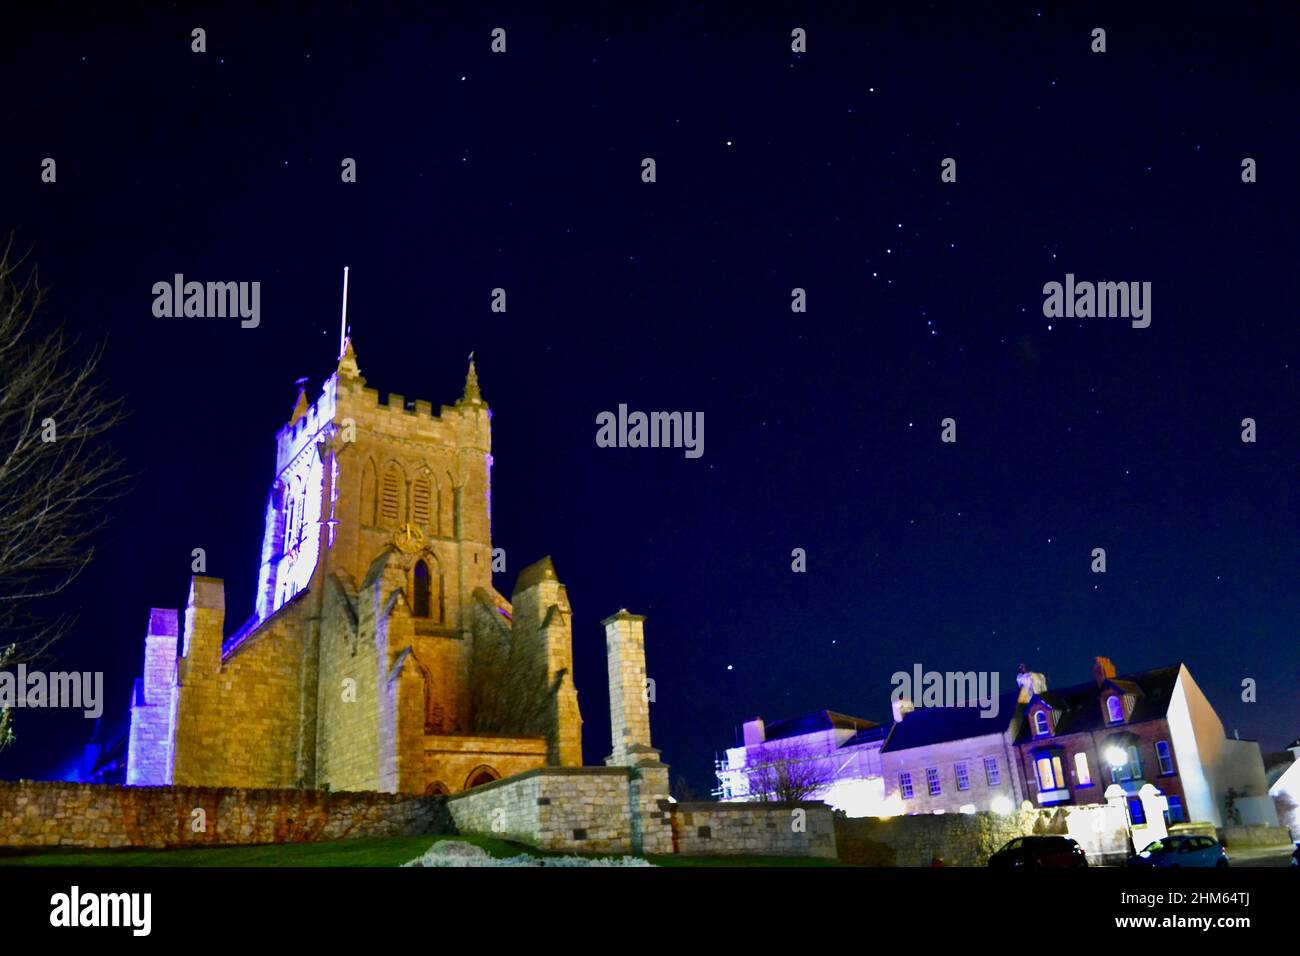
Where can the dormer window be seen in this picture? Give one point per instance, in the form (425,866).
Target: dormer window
(1115,709)
(1042,725)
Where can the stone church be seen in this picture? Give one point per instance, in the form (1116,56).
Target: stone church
(378,655)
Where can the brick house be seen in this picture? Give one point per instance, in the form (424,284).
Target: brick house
(1152,727)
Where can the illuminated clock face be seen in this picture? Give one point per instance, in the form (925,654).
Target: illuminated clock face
(408,538)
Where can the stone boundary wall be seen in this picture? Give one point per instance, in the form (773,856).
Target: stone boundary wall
(1253,836)
(590,810)
(53,813)
(969,839)
(577,809)
(754,829)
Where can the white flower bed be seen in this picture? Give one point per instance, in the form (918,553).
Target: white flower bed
(460,853)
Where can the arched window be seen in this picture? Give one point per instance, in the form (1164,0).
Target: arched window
(1042,727)
(436,789)
(369,492)
(390,498)
(481,776)
(420,590)
(1115,709)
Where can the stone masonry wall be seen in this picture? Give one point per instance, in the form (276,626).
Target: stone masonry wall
(237,720)
(42,813)
(754,829)
(969,839)
(579,809)
(591,810)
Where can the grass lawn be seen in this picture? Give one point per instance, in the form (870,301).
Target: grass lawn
(379,851)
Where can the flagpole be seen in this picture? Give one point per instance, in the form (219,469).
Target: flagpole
(343,322)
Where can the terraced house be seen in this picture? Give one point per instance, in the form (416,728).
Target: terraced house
(1149,741)
(1153,728)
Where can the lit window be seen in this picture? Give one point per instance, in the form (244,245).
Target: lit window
(991,771)
(1175,812)
(1045,781)
(963,776)
(905,785)
(1115,709)
(932,780)
(1041,725)
(1164,756)
(1082,775)
(1136,814)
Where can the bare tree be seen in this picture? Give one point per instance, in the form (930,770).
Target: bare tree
(787,772)
(55,472)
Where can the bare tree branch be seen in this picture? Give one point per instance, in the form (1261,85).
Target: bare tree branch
(785,772)
(56,473)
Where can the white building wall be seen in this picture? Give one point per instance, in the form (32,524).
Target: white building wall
(1209,763)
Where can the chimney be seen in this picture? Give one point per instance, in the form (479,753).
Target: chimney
(755,732)
(1030,683)
(901,707)
(1103,670)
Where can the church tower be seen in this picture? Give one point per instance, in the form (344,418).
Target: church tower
(361,667)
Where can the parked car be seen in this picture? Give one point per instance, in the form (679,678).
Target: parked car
(1036,851)
(1176,851)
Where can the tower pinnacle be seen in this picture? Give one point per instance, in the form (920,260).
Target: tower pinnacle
(348,367)
(300,407)
(472,395)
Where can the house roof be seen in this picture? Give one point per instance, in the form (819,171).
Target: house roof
(815,722)
(1077,708)
(936,725)
(868,735)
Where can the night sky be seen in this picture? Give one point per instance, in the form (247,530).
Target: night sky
(775,170)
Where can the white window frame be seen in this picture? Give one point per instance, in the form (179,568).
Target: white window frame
(932,782)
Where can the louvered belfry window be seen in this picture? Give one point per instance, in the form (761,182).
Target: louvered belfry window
(390,499)
(421,496)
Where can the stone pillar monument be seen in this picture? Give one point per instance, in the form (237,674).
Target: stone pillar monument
(629,720)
